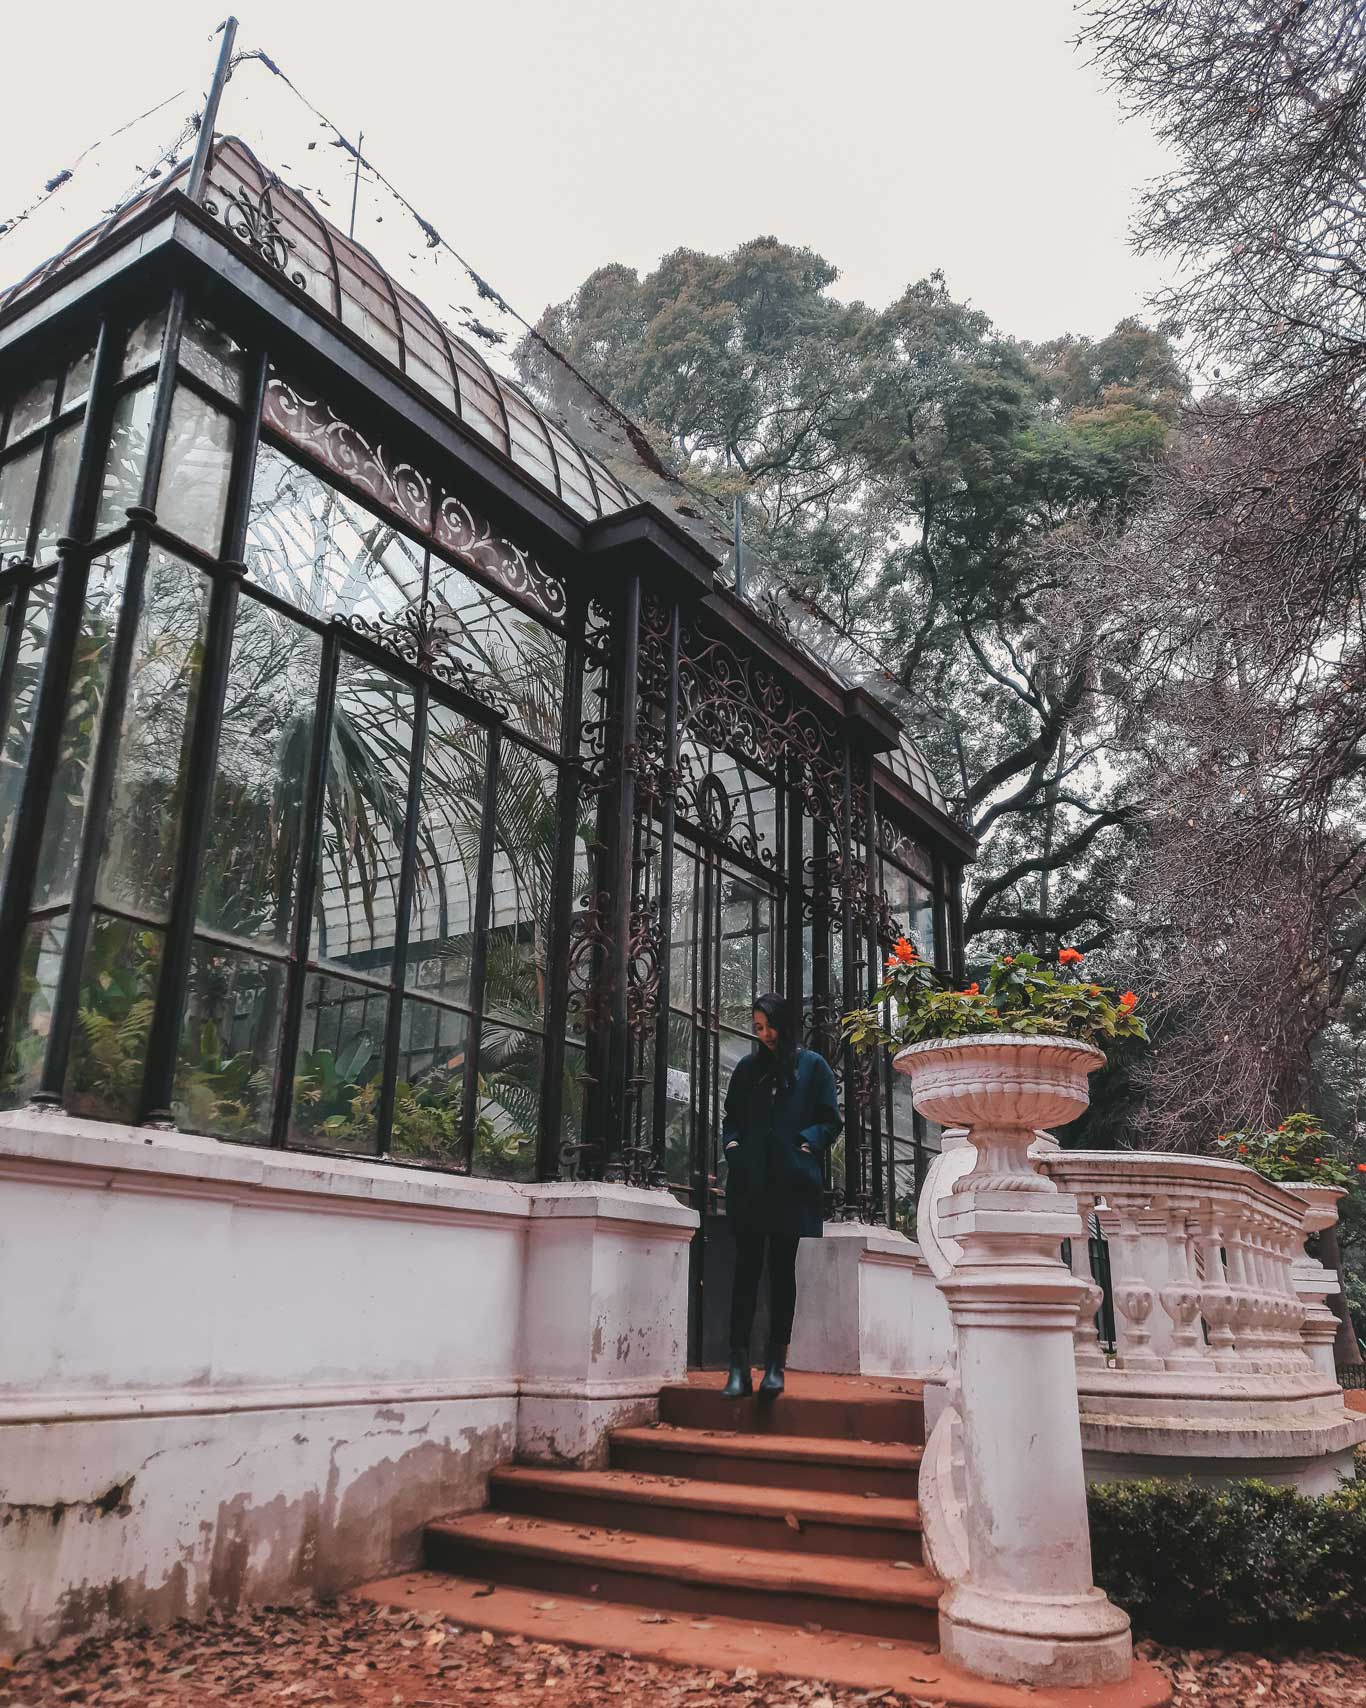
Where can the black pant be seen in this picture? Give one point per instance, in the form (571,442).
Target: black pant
(782,1285)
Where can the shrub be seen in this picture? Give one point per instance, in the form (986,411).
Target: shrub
(1244,1566)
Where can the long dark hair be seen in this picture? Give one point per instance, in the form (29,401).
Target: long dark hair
(777,1010)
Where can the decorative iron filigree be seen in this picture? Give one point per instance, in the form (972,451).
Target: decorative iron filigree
(705,803)
(427,638)
(902,847)
(448,521)
(252,220)
(731,702)
(589,941)
(645,954)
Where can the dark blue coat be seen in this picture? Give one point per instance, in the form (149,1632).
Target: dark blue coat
(772,1185)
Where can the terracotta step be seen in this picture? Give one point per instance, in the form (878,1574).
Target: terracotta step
(840,1408)
(726,1644)
(663,1574)
(800,1521)
(857,1468)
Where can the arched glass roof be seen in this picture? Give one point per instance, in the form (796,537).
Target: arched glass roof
(347,282)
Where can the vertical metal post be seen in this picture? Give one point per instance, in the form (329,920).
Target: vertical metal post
(621,814)
(551,1137)
(877,1067)
(49,716)
(403,907)
(104,762)
(202,763)
(668,790)
(222,70)
(479,954)
(853,1113)
(794,901)
(310,845)
(958,970)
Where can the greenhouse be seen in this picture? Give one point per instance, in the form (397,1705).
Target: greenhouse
(390,771)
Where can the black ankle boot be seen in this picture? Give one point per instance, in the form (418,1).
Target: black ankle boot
(741,1379)
(772,1384)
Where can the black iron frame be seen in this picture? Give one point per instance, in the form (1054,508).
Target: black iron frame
(654,587)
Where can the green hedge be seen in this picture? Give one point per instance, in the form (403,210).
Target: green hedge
(1243,1566)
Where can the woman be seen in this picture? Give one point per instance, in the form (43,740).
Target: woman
(782,1114)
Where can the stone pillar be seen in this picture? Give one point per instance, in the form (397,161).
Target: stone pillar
(604,1314)
(1314,1283)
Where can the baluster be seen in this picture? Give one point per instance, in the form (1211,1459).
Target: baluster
(1180,1296)
(1133,1296)
(1216,1296)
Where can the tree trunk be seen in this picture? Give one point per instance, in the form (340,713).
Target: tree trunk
(1346,1348)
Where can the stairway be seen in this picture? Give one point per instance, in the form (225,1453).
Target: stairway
(778,1513)
(782,1537)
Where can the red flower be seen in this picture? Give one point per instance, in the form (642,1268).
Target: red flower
(971,990)
(1318,1161)
(1242,1150)
(1007,960)
(1361,1168)
(1128,1001)
(1070,957)
(1093,990)
(905,952)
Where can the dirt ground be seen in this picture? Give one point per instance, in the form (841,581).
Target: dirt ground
(354,1655)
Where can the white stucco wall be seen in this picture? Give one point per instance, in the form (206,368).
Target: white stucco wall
(231,1373)
(863,1294)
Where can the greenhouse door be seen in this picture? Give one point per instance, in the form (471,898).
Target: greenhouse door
(727,948)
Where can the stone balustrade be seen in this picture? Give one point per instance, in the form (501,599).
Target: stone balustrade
(1222,1361)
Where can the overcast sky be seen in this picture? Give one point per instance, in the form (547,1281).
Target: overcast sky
(545,139)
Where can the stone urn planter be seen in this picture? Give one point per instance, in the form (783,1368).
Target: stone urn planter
(1003,1087)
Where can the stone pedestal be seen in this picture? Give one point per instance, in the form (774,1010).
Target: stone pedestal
(856,1301)
(1314,1283)
(604,1317)
(1025,1610)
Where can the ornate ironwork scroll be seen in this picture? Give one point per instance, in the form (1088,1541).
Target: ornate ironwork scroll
(902,847)
(731,702)
(427,638)
(251,218)
(643,967)
(449,522)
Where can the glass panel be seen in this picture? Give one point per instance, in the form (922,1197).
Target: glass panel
(109,1049)
(441,925)
(684,946)
(61,486)
(521,663)
(746,966)
(324,552)
(80,729)
(213,356)
(363,820)
(18,489)
(249,876)
(225,1069)
(193,494)
(32,641)
(149,782)
(32,408)
(679,1093)
(40,962)
(511,1073)
(144,343)
(912,907)
(429,1096)
(337,1074)
(78,378)
(127,457)
(523,873)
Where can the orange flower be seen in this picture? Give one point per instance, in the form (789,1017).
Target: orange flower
(1318,1159)
(1128,1001)
(971,990)
(1093,990)
(1007,960)
(905,951)
(1070,957)
(1242,1150)
(1361,1168)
